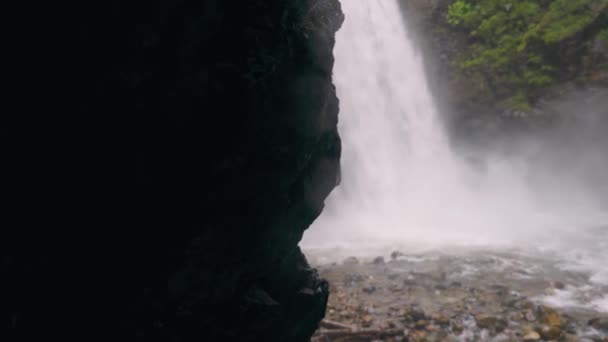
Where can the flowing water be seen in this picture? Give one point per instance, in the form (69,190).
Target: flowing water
(404,187)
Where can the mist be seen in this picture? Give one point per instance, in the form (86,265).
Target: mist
(409,184)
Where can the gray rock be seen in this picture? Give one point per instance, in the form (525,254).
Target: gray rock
(378,261)
(396,254)
(532,336)
(369,289)
(351,261)
(600,324)
(530,316)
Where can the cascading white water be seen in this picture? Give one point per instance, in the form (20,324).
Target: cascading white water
(401,184)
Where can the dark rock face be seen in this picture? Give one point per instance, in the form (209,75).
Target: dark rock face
(236,149)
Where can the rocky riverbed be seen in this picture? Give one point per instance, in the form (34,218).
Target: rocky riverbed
(460,296)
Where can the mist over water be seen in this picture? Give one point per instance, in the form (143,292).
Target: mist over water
(404,185)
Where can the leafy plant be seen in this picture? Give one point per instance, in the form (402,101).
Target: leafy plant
(604,34)
(459,12)
(515,41)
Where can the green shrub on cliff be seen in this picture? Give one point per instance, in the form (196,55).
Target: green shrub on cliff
(514,41)
(459,12)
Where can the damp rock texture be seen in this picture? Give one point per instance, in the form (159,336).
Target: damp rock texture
(231,118)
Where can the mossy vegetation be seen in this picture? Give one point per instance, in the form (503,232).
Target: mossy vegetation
(515,44)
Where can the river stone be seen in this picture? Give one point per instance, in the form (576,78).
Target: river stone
(530,317)
(441,320)
(559,285)
(550,332)
(415,315)
(418,335)
(367,321)
(457,328)
(351,261)
(378,261)
(532,336)
(571,328)
(392,276)
(549,316)
(485,322)
(599,324)
(492,323)
(396,254)
(421,324)
(369,289)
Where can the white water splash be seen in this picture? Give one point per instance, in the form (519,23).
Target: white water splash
(402,185)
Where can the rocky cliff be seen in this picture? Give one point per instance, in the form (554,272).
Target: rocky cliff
(232,112)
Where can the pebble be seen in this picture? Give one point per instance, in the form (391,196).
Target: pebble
(378,261)
(396,254)
(421,324)
(457,328)
(441,320)
(351,261)
(495,324)
(550,332)
(530,316)
(367,320)
(418,335)
(441,287)
(571,328)
(532,336)
(599,324)
(549,316)
(369,289)
(559,285)
(416,315)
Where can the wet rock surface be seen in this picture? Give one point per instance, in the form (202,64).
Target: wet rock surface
(463,297)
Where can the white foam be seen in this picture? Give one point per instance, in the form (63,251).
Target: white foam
(600,304)
(581,297)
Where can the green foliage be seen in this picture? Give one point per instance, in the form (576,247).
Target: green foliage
(459,12)
(565,18)
(519,101)
(604,34)
(513,40)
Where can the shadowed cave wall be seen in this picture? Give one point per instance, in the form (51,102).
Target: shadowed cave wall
(236,148)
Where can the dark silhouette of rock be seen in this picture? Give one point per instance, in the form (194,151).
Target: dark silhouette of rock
(227,111)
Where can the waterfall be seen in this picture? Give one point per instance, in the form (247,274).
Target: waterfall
(390,128)
(400,176)
(402,184)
